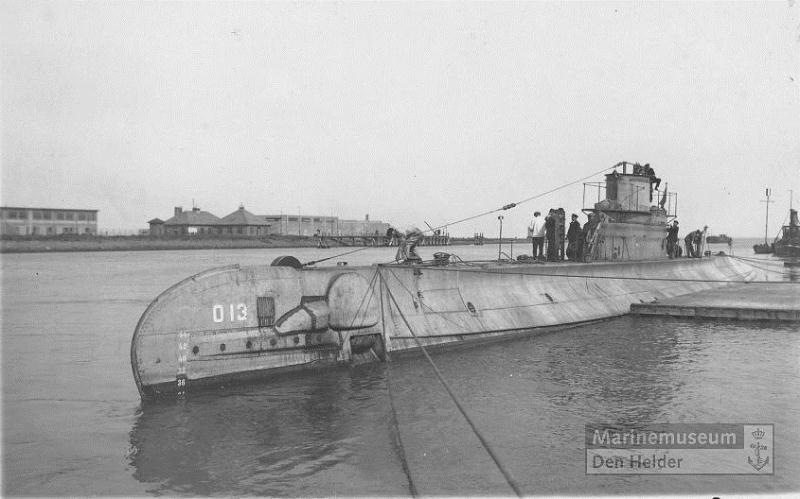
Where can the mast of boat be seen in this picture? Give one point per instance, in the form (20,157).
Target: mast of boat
(766,223)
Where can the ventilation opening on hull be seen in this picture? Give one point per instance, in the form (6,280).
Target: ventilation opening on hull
(265,308)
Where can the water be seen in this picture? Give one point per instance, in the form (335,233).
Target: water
(73,423)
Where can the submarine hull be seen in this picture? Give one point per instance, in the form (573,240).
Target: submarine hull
(242,323)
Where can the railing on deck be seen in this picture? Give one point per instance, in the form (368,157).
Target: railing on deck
(594,192)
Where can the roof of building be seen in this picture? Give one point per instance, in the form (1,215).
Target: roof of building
(193,217)
(243,217)
(44,209)
(155,221)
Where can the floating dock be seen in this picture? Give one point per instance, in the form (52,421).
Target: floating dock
(777,302)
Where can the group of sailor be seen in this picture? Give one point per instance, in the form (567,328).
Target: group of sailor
(693,242)
(551,227)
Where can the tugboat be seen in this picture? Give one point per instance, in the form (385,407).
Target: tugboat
(788,243)
(236,323)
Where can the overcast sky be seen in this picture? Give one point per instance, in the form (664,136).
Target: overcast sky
(410,112)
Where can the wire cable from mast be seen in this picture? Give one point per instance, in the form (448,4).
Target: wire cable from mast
(473,217)
(517,203)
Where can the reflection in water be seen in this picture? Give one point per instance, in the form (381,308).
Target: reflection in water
(792,272)
(623,377)
(330,432)
(273,439)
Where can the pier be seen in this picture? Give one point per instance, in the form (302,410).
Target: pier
(777,302)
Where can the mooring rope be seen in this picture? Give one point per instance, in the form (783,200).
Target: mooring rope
(506,474)
(367,293)
(312,262)
(398,440)
(750,261)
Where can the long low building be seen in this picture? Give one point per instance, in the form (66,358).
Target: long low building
(244,223)
(17,221)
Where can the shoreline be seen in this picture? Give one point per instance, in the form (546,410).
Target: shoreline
(146,243)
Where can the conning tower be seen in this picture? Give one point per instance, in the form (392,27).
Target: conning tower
(631,218)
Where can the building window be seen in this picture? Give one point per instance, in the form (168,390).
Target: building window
(68,216)
(47,215)
(81,217)
(37,215)
(238,230)
(292,219)
(60,215)
(92,217)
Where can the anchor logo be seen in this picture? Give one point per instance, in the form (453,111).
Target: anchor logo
(758,446)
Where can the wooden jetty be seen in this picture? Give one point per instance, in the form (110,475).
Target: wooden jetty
(428,240)
(757,301)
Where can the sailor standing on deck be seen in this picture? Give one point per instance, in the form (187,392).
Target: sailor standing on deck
(536,232)
(550,235)
(573,235)
(672,240)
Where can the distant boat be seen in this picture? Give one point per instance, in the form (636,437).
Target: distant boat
(788,242)
(765,248)
(720,239)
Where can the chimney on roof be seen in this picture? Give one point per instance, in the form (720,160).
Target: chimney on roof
(178,210)
(195,209)
(366,217)
(241,206)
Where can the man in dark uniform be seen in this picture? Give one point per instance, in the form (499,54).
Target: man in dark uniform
(573,236)
(672,239)
(649,172)
(550,235)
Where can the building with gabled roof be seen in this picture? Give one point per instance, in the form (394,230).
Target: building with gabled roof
(242,222)
(190,222)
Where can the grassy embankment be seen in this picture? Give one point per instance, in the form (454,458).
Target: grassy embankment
(142,243)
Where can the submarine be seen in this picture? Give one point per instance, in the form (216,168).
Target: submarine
(239,323)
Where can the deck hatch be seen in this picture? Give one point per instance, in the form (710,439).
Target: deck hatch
(265,306)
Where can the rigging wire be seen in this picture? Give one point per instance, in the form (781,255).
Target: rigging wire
(503,208)
(506,474)
(513,205)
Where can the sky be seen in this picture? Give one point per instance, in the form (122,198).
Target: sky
(410,112)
